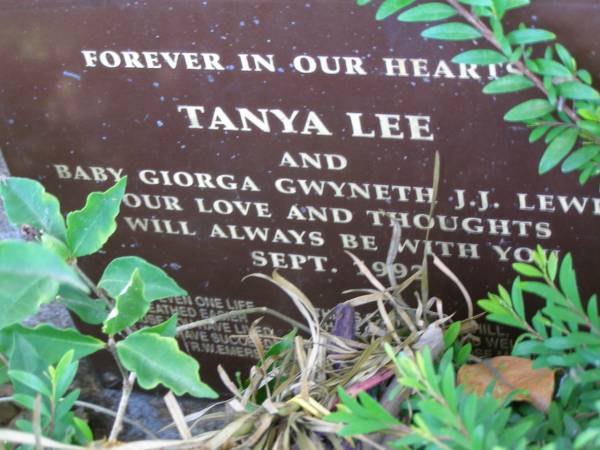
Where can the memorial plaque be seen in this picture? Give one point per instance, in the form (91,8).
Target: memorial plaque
(275,134)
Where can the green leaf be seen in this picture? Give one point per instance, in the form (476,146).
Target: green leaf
(554,132)
(451,334)
(66,369)
(508,83)
(585,76)
(565,56)
(592,127)
(558,149)
(31,381)
(552,265)
(477,2)
(568,282)
(513,4)
(157,284)
(157,360)
(83,430)
(529,110)
(480,56)
(66,404)
(528,36)
(452,31)
(55,246)
(27,203)
(362,2)
(586,174)
(517,298)
(89,228)
(28,402)
(29,276)
(366,416)
(130,306)
(168,328)
(22,355)
(540,289)
(580,157)
(52,343)
(537,133)
(87,309)
(499,7)
(462,355)
(389,7)
(428,12)
(285,344)
(551,68)
(578,91)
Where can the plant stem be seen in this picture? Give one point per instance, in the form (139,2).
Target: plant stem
(112,348)
(128,383)
(241,312)
(95,289)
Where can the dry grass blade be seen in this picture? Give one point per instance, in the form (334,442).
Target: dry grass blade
(228,383)
(255,338)
(37,421)
(263,424)
(177,415)
(393,251)
(446,271)
(23,438)
(236,429)
(377,284)
(434,194)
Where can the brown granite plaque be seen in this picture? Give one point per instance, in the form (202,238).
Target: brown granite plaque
(278,133)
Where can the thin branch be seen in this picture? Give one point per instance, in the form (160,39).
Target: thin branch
(489,36)
(242,312)
(112,348)
(128,383)
(95,289)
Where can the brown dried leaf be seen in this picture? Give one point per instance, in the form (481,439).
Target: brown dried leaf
(510,373)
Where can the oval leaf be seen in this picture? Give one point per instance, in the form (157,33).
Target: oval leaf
(87,309)
(29,276)
(508,83)
(89,228)
(579,157)
(27,203)
(578,91)
(558,149)
(480,56)
(528,36)
(389,7)
(52,343)
(157,360)
(528,270)
(529,110)
(157,284)
(428,12)
(551,68)
(452,31)
(130,306)
(168,328)
(477,2)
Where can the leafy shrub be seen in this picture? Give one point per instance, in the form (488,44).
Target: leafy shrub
(46,269)
(566,114)
(439,413)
